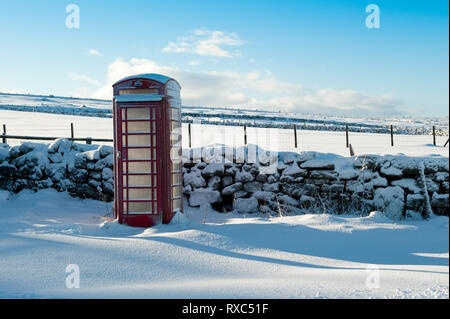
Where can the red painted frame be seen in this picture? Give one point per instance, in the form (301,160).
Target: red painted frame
(141,219)
(162,131)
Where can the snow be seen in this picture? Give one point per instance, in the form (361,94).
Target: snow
(215,255)
(391,199)
(276,140)
(150,76)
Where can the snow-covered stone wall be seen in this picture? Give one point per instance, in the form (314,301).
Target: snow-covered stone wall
(399,186)
(82,170)
(248,180)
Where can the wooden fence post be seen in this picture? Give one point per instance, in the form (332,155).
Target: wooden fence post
(189,131)
(352,152)
(295,135)
(4,133)
(392,135)
(245,134)
(346,135)
(71,132)
(434,135)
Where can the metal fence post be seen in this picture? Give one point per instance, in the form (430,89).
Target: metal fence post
(71,131)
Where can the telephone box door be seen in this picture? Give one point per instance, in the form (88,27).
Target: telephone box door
(138,135)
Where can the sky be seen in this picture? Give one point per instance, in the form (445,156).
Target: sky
(297,56)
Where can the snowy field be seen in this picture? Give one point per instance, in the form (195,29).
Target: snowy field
(44,124)
(229,256)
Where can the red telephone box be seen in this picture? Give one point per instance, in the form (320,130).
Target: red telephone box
(147,147)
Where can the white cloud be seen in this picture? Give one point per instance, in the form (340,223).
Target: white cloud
(206,43)
(256,90)
(94,52)
(83,78)
(193,63)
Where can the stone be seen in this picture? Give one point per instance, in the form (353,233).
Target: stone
(4,154)
(57,171)
(27,147)
(306,201)
(244,177)
(348,174)
(379,182)
(55,158)
(14,151)
(272,179)
(265,209)
(78,175)
(202,196)
(227,181)
(230,190)
(93,155)
(318,165)
(246,205)
(391,172)
(240,194)
(415,202)
(187,190)
(95,175)
(108,187)
(214,182)
(7,170)
(274,187)
(87,191)
(430,166)
(432,186)
(104,162)
(408,184)
(323,174)
(261,178)
(440,200)
(354,187)
(80,160)
(194,179)
(289,157)
(105,150)
(213,169)
(441,177)
(253,186)
(231,171)
(264,196)
(94,183)
(390,200)
(294,171)
(285,199)
(334,188)
(107,173)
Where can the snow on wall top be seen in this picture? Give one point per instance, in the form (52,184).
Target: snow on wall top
(150,76)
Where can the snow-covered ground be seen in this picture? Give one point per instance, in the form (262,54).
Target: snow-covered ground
(229,256)
(43,124)
(234,115)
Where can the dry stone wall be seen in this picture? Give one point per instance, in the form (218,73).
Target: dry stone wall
(248,180)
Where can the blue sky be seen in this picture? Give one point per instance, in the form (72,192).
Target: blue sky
(300,56)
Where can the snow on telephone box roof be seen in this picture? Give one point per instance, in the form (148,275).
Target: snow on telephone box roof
(149,76)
